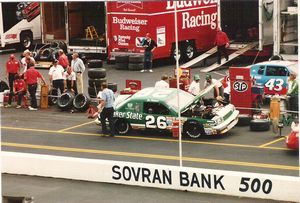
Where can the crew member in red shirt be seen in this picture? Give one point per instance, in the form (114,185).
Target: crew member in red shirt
(19,88)
(31,76)
(12,69)
(63,59)
(222,42)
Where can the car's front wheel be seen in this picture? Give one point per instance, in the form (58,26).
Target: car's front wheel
(193,129)
(122,126)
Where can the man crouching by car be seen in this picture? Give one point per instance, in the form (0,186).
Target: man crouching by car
(106,109)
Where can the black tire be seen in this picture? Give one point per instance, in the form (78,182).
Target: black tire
(46,54)
(26,39)
(62,45)
(136,59)
(81,102)
(193,129)
(136,66)
(94,63)
(65,101)
(122,59)
(122,127)
(189,51)
(92,92)
(113,86)
(173,53)
(97,73)
(121,66)
(97,82)
(52,100)
(244,120)
(54,45)
(260,125)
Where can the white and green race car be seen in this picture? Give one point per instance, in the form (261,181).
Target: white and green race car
(152,108)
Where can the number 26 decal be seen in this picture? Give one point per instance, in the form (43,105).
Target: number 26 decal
(160,122)
(275,84)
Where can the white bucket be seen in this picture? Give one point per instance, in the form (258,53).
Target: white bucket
(1,97)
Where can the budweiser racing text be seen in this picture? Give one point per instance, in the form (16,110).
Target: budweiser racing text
(189,21)
(129,24)
(187,4)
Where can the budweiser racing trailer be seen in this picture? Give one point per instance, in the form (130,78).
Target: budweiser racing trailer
(129,21)
(19,23)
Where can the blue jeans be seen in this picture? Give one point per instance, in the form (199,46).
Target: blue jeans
(148,60)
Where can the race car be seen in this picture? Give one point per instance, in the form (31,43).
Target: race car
(152,108)
(273,75)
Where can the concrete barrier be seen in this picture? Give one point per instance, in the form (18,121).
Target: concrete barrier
(254,185)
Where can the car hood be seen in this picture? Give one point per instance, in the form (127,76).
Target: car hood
(198,97)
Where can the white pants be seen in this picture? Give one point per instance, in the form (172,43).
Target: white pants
(79,83)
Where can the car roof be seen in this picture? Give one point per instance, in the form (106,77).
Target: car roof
(148,94)
(291,65)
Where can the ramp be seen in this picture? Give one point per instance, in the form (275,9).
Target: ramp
(231,56)
(199,58)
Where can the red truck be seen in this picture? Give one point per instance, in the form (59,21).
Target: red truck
(129,21)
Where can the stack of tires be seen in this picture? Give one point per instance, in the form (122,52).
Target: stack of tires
(136,62)
(97,76)
(122,62)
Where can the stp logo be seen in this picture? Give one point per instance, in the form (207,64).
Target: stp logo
(240,86)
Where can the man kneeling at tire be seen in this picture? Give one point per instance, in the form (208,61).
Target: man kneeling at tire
(106,104)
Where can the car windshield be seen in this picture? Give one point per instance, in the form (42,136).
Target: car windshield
(184,99)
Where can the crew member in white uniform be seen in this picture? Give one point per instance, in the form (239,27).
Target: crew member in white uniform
(194,88)
(163,82)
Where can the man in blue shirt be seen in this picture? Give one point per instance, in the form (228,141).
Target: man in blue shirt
(106,104)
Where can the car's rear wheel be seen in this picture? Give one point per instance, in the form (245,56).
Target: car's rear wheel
(193,129)
(122,126)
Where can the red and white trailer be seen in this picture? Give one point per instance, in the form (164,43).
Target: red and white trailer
(129,21)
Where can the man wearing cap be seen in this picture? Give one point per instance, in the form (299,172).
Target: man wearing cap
(163,82)
(63,59)
(78,67)
(31,76)
(218,87)
(56,73)
(149,45)
(222,42)
(194,88)
(18,89)
(12,69)
(293,91)
(70,80)
(26,61)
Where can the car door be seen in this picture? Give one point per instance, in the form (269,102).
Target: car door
(155,114)
(275,80)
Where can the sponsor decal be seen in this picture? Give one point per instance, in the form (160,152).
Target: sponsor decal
(134,4)
(161,36)
(139,41)
(11,36)
(129,24)
(122,40)
(128,115)
(240,86)
(187,4)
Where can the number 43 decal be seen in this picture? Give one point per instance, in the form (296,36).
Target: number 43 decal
(160,122)
(275,84)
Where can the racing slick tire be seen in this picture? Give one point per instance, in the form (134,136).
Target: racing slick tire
(260,125)
(244,120)
(92,92)
(135,66)
(26,39)
(46,54)
(94,63)
(189,51)
(122,59)
(193,129)
(113,86)
(65,101)
(122,127)
(121,66)
(97,82)
(62,45)
(136,59)
(81,102)
(52,94)
(97,73)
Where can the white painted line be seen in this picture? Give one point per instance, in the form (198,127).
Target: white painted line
(263,186)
